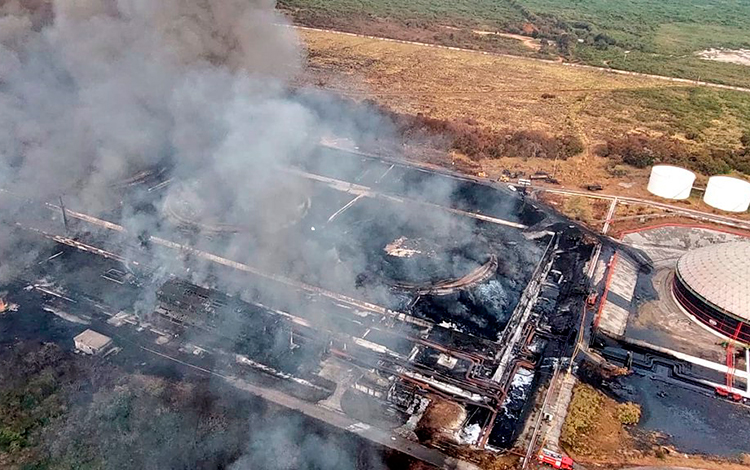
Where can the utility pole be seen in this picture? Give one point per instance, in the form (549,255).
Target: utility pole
(64,215)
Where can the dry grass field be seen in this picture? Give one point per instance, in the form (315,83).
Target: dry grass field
(510,93)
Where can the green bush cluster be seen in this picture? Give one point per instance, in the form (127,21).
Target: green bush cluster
(583,413)
(642,151)
(629,413)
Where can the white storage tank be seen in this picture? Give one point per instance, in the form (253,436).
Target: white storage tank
(671,182)
(727,194)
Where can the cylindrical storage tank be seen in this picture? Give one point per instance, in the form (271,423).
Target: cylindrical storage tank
(671,182)
(712,285)
(727,194)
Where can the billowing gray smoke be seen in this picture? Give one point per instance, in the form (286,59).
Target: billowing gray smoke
(94,91)
(112,86)
(106,88)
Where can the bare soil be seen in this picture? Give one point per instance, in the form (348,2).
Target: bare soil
(736,56)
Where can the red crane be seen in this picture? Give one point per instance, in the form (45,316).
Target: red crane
(728,391)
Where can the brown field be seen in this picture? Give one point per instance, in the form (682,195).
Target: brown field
(500,93)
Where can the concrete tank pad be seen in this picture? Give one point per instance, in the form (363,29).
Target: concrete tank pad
(650,314)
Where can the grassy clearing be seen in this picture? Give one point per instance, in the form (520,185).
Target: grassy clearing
(661,36)
(685,38)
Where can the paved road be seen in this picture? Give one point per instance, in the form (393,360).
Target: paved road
(680,81)
(721,219)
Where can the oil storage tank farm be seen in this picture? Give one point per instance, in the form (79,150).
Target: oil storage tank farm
(671,182)
(727,194)
(712,285)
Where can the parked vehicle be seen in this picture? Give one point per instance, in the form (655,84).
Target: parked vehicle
(555,460)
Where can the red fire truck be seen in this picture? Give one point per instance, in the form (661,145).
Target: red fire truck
(555,460)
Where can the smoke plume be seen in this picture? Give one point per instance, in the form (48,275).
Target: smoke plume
(94,93)
(103,89)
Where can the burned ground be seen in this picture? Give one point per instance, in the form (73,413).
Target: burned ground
(205,229)
(61,410)
(278,346)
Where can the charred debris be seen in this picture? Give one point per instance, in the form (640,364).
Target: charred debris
(436,310)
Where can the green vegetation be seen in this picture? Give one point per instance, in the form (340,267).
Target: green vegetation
(501,13)
(649,25)
(579,208)
(651,36)
(583,414)
(61,411)
(30,398)
(628,413)
(704,129)
(689,111)
(642,151)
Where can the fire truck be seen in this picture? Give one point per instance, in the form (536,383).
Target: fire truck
(591,299)
(555,460)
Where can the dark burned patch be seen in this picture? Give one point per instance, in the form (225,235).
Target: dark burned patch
(403,247)
(482,311)
(439,264)
(57,407)
(225,321)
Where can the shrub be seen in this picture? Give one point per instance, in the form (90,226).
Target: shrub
(583,414)
(537,144)
(572,145)
(578,208)
(745,139)
(641,151)
(629,413)
(10,440)
(475,142)
(618,171)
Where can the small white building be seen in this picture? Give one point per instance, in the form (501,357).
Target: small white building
(91,342)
